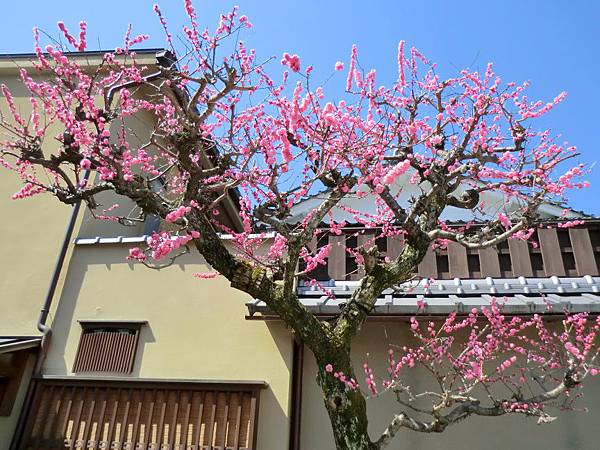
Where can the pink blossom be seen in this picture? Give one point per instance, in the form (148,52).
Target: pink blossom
(173,216)
(505,221)
(396,171)
(292,61)
(206,275)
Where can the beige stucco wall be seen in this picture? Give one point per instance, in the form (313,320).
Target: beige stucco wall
(572,430)
(196,328)
(31,232)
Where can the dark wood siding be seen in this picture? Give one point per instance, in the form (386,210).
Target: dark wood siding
(130,415)
(557,251)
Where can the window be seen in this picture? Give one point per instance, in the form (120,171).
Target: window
(107,347)
(111,414)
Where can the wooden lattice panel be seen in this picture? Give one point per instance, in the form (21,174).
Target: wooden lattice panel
(126,417)
(106,350)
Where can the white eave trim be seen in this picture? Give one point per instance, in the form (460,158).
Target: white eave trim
(144,238)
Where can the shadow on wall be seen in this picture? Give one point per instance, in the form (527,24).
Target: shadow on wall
(576,430)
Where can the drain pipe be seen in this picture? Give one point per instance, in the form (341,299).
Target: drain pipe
(296,393)
(43,317)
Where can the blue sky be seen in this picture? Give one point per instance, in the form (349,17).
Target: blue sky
(554,44)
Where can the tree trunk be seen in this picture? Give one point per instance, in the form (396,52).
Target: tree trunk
(346,407)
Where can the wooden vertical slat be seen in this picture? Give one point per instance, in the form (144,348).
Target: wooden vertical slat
(88,420)
(123,433)
(222,427)
(210,425)
(253,412)
(186,421)
(113,418)
(77,421)
(136,421)
(583,252)
(457,259)
(428,266)
(238,422)
(148,423)
(363,242)
(53,419)
(394,246)
(490,264)
(61,431)
(196,436)
(159,436)
(519,256)
(551,254)
(67,414)
(44,413)
(337,257)
(173,424)
(100,427)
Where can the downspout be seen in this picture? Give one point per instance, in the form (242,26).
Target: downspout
(41,324)
(296,393)
(43,317)
(43,327)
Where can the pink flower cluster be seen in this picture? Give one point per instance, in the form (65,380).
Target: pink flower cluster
(79,45)
(487,348)
(399,169)
(292,61)
(177,214)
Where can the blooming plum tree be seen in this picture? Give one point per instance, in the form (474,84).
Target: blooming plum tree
(223,124)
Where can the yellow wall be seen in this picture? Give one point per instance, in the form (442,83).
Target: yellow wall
(572,430)
(32,230)
(196,328)
(31,233)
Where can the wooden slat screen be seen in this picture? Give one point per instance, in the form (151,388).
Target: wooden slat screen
(563,252)
(144,418)
(106,350)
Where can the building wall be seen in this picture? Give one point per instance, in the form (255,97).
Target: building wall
(572,431)
(31,233)
(196,328)
(32,230)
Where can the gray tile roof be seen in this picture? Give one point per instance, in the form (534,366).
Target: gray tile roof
(519,295)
